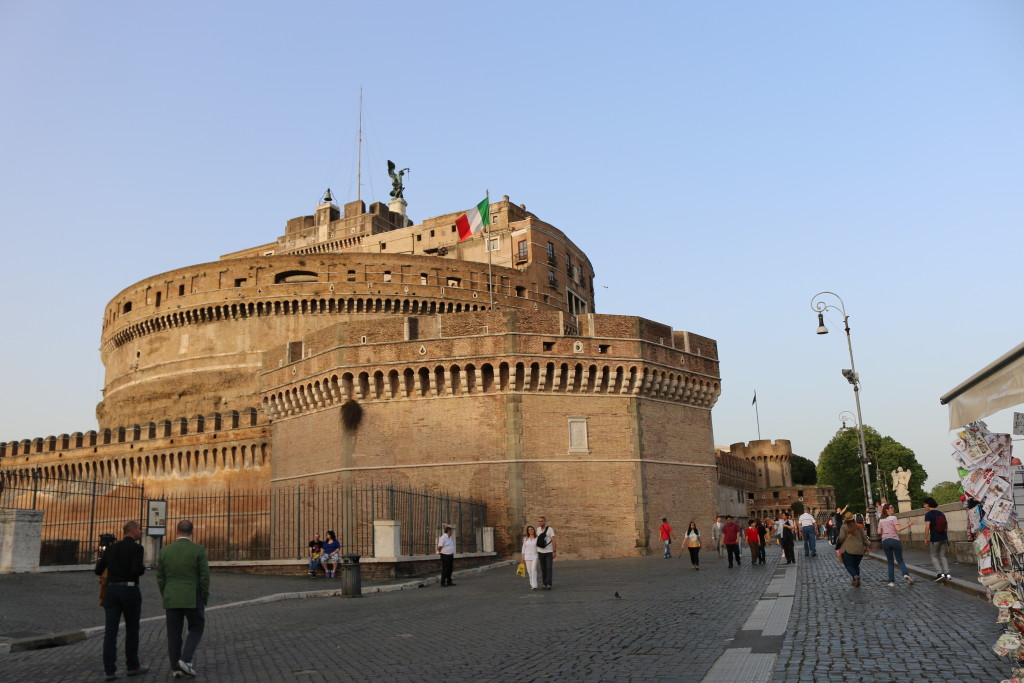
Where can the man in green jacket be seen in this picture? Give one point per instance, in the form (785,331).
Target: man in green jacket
(183,575)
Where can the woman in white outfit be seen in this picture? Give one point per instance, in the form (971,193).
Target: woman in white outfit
(530,555)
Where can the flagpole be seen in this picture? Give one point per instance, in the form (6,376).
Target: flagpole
(487,246)
(757,414)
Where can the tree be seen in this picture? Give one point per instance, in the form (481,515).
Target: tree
(839,466)
(805,472)
(946,492)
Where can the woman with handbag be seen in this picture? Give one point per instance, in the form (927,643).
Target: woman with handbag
(853,544)
(530,555)
(693,545)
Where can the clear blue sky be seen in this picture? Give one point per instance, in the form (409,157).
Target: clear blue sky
(720,163)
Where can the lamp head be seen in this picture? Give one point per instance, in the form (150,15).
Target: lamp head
(850,376)
(821,324)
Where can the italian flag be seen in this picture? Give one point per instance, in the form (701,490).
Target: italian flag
(473,221)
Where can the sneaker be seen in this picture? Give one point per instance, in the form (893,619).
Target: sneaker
(186,667)
(949,577)
(138,671)
(906,577)
(939,577)
(890,584)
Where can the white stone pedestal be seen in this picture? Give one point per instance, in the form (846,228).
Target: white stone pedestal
(20,536)
(387,539)
(399,205)
(904,505)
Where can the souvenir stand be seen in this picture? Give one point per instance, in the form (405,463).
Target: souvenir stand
(986,467)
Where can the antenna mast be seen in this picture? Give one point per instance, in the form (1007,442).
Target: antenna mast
(359,163)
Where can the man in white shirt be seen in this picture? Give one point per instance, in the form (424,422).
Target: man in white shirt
(446,548)
(546,552)
(809,529)
(716,535)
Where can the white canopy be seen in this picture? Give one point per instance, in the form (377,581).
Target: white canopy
(998,386)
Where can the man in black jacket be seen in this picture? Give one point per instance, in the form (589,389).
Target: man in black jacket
(123,562)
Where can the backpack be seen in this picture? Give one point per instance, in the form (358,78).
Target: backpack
(542,540)
(939,526)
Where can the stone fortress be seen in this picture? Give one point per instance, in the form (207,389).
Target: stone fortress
(361,347)
(763,476)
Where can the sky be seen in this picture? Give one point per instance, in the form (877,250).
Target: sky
(719,163)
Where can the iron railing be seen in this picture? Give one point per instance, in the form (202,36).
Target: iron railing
(77,512)
(248,525)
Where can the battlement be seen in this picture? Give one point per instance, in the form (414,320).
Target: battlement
(181,426)
(772,459)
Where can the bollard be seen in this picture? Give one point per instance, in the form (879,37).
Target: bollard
(351,583)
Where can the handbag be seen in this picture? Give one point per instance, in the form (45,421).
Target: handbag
(104,577)
(521,569)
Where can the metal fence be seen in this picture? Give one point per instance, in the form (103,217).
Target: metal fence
(279,524)
(77,512)
(260,525)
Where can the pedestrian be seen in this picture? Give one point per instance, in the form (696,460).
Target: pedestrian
(838,519)
(124,564)
(778,529)
(183,575)
(889,527)
(809,530)
(666,536)
(716,535)
(788,538)
(936,538)
(330,553)
(853,544)
(315,547)
(530,555)
(762,531)
(546,551)
(731,539)
(692,542)
(753,540)
(446,548)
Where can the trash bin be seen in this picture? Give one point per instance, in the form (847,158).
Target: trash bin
(351,583)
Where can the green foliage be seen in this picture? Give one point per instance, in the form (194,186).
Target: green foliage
(798,508)
(946,492)
(839,466)
(805,473)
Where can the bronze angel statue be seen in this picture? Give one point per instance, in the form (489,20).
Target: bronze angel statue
(396,180)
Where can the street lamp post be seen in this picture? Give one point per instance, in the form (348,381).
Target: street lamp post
(820,306)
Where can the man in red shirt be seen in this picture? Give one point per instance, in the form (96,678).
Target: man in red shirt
(731,539)
(666,536)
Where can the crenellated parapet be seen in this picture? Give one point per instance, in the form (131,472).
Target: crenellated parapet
(489,353)
(772,458)
(40,452)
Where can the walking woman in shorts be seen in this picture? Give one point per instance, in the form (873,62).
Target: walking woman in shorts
(692,542)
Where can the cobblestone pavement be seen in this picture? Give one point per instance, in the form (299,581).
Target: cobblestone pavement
(670,624)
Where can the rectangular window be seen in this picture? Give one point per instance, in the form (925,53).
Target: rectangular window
(522,251)
(240,281)
(551,251)
(552,280)
(431,233)
(493,243)
(578,435)
(454,282)
(549,346)
(387,276)
(351,276)
(423,278)
(419,238)
(181,290)
(603,348)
